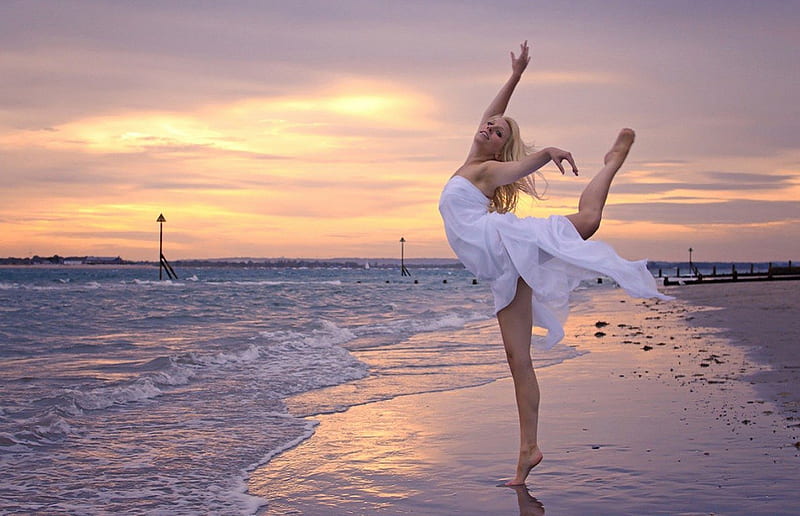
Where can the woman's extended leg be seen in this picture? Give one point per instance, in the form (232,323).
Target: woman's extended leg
(516,324)
(593,198)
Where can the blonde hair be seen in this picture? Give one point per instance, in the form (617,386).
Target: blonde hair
(506,196)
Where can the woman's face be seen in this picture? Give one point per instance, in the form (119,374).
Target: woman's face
(493,135)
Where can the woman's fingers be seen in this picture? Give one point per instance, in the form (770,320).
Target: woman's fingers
(572,163)
(566,156)
(521,62)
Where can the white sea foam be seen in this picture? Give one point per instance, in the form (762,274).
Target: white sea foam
(329,334)
(161,283)
(310,360)
(253,503)
(420,325)
(250,354)
(104,397)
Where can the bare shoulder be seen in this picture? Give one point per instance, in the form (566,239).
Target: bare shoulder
(478,175)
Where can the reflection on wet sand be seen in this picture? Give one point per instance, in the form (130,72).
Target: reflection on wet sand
(528,504)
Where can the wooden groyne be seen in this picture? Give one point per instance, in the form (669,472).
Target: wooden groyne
(772,274)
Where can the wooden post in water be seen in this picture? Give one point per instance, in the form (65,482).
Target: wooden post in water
(403,270)
(163,264)
(161,220)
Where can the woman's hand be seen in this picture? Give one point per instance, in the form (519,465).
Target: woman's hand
(559,155)
(518,64)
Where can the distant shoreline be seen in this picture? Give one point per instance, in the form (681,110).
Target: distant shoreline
(670,267)
(287,264)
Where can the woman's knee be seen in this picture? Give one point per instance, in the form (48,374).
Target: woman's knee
(586,223)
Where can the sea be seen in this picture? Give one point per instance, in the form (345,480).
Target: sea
(121,393)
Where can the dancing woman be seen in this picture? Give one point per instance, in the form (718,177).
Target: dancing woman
(532,264)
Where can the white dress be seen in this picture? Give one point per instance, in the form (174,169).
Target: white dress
(548,254)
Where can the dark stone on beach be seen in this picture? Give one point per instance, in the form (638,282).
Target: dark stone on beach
(647,348)
(444,281)
(600,324)
(474,281)
(599,334)
(595,447)
(797,445)
(746,421)
(416,281)
(703,364)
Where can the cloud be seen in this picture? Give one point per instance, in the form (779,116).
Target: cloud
(726,213)
(660,188)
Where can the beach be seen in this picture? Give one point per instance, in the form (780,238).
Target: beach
(681,407)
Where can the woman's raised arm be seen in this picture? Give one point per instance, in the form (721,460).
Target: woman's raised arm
(499,173)
(518,64)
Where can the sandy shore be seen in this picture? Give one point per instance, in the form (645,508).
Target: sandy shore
(764,318)
(660,417)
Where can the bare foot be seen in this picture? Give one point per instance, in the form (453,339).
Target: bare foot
(528,459)
(619,151)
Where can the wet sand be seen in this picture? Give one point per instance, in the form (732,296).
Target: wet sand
(661,417)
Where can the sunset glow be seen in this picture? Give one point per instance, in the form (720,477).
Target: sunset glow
(336,147)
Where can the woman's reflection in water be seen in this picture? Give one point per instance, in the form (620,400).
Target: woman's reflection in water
(528,505)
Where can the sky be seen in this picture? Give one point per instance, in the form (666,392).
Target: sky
(319,129)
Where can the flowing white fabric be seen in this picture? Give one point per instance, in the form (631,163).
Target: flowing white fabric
(548,254)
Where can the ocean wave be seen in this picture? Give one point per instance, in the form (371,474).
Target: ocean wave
(327,334)
(411,326)
(104,397)
(49,427)
(250,354)
(277,283)
(311,360)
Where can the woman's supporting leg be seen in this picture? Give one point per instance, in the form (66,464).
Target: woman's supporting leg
(593,198)
(516,324)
